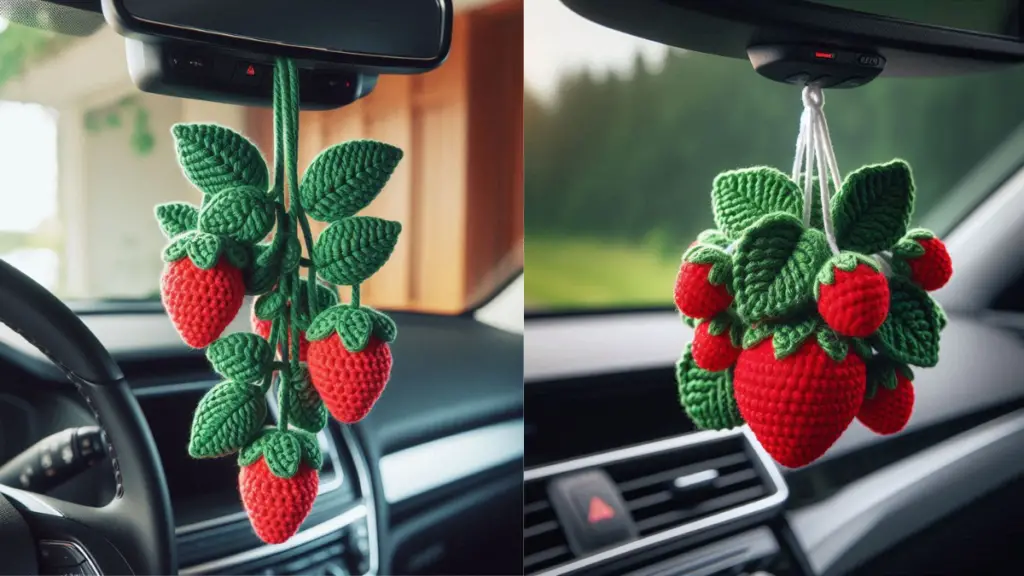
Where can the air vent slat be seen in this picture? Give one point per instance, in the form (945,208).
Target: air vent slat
(540,529)
(667,489)
(546,558)
(704,508)
(669,475)
(544,543)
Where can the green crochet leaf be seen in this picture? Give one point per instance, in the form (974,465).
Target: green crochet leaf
(354,326)
(351,250)
(292,255)
(756,334)
(282,450)
(907,248)
(881,374)
(245,214)
(775,266)
(216,158)
(910,334)
(176,218)
(861,348)
(265,272)
(237,254)
(205,249)
(241,356)
(691,322)
(178,248)
(325,323)
(742,197)
(720,261)
(707,397)
(713,237)
(326,298)
(305,409)
(269,305)
(787,338)
(227,418)
(310,448)
(940,314)
(833,345)
(872,210)
(344,179)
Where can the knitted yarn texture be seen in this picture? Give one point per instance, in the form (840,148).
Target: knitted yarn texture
(324,357)
(809,308)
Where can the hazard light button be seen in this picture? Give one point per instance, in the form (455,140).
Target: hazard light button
(591,511)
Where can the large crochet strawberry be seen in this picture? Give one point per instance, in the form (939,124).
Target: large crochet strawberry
(798,405)
(350,360)
(278,482)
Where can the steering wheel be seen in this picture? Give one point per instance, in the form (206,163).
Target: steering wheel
(134,533)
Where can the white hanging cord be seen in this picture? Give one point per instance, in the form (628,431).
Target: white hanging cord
(818,156)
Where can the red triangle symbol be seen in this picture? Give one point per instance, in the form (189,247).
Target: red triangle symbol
(250,71)
(599,510)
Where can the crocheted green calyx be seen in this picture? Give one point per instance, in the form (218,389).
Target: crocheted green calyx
(706,396)
(781,259)
(226,237)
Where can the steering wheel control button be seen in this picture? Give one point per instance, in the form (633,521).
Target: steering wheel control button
(591,511)
(64,559)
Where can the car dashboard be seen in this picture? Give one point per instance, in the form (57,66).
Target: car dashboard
(424,484)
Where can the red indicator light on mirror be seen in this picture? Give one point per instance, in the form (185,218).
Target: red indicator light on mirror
(250,71)
(825,55)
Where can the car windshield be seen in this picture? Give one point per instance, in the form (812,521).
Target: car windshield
(85,156)
(624,137)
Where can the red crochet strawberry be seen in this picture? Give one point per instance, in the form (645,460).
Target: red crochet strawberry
(349,382)
(701,289)
(931,266)
(888,405)
(277,506)
(713,347)
(262,327)
(798,406)
(853,296)
(201,303)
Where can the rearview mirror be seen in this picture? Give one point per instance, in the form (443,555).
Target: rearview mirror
(392,37)
(831,43)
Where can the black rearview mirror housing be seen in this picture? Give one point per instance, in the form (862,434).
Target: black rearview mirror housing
(224,51)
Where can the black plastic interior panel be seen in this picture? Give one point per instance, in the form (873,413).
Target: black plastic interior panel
(580,416)
(729,27)
(450,375)
(981,538)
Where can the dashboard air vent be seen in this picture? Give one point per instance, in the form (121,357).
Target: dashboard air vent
(665,489)
(544,543)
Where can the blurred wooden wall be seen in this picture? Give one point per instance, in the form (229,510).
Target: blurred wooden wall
(459,189)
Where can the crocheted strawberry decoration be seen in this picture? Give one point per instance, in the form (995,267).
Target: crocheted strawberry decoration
(278,482)
(702,289)
(716,344)
(824,299)
(217,254)
(349,359)
(889,398)
(926,259)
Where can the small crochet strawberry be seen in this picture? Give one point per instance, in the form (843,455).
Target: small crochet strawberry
(797,406)
(713,348)
(262,327)
(277,506)
(349,383)
(888,405)
(932,269)
(201,303)
(701,289)
(853,296)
